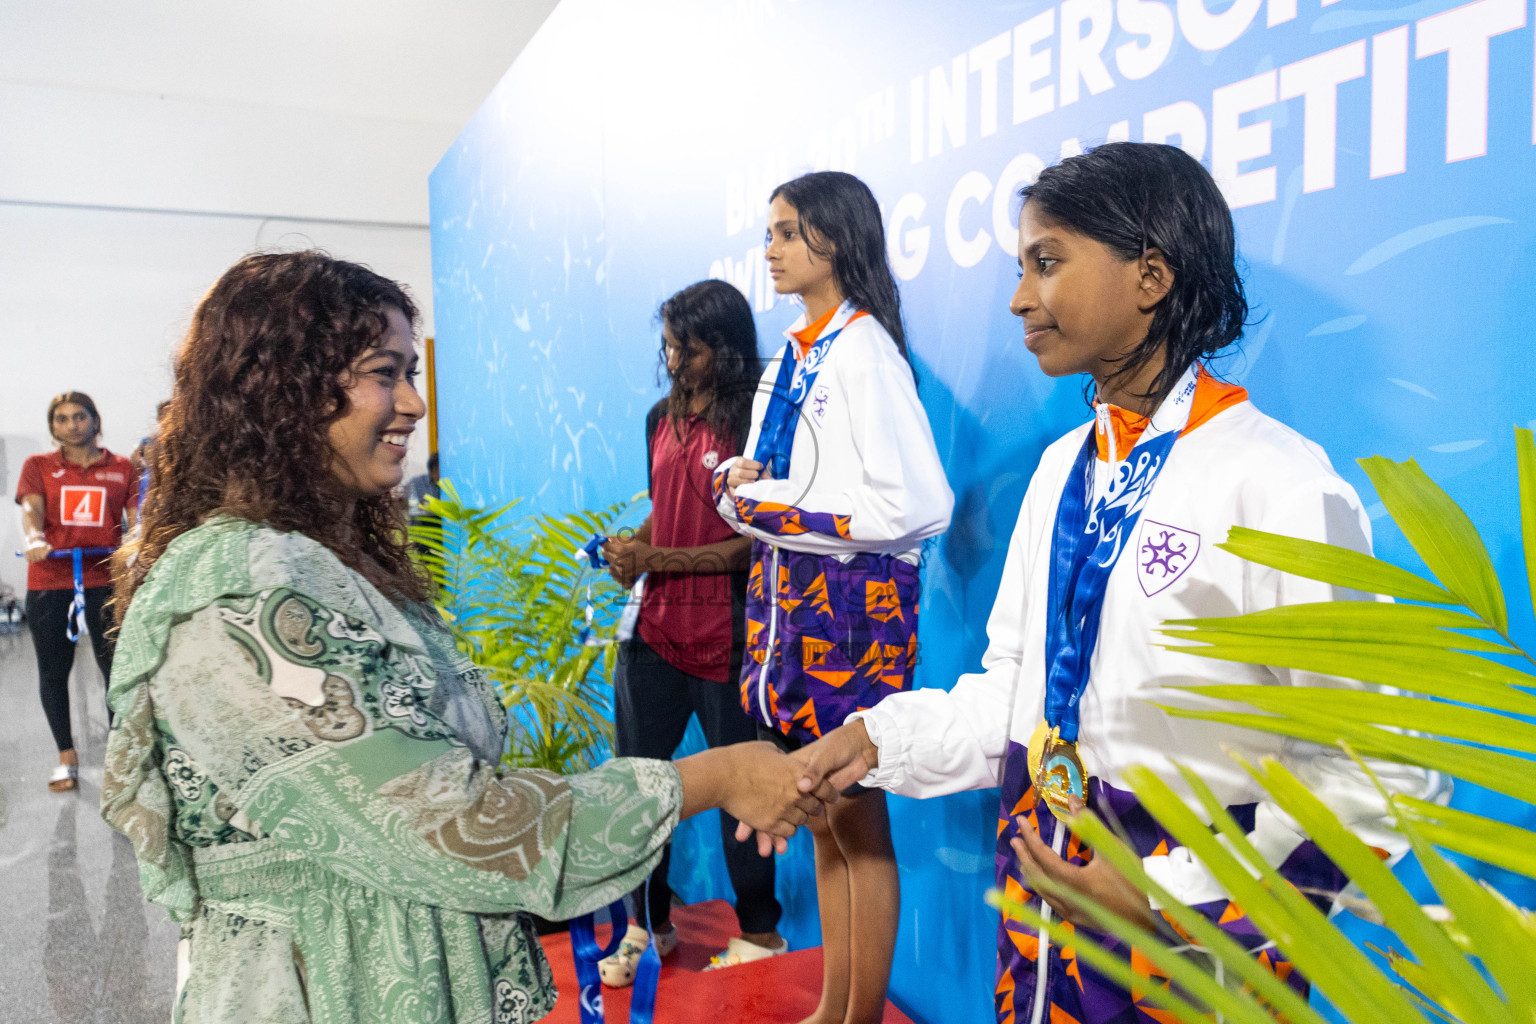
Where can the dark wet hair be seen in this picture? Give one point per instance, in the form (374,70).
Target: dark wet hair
(1137,196)
(259,379)
(79,398)
(841,223)
(716,315)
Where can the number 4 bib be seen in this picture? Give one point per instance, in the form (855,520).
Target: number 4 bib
(82,506)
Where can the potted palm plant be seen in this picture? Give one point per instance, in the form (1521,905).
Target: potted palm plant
(529,609)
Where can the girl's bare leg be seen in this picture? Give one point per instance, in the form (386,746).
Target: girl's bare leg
(862,830)
(832,901)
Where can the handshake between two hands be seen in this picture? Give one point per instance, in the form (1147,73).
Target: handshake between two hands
(772,793)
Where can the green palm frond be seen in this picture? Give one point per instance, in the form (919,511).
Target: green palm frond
(515,594)
(1454,701)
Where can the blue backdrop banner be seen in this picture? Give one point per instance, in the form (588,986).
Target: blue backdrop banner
(1379,160)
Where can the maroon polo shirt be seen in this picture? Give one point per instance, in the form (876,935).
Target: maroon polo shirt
(686,617)
(83,507)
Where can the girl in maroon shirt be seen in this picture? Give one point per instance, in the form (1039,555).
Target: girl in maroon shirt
(687,648)
(76,497)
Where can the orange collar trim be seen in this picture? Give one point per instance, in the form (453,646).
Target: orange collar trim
(1211,397)
(806,336)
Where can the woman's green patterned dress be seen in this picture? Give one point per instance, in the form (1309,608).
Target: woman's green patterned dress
(309,776)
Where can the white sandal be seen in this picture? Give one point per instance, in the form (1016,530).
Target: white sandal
(65,777)
(618,971)
(740,951)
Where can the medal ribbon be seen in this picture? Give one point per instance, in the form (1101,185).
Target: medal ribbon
(642,1004)
(74,620)
(593,554)
(1086,543)
(74,624)
(789,390)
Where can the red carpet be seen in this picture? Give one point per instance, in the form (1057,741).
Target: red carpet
(779,990)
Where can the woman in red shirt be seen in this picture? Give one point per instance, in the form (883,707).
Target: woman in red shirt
(75,497)
(688,644)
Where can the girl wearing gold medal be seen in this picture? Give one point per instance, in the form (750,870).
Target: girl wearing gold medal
(1127,274)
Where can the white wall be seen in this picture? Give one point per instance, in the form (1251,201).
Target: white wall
(146,146)
(304,108)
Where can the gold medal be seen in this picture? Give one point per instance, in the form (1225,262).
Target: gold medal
(1037,742)
(1056,770)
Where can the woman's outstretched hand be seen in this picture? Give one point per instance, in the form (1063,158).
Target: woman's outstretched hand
(755,783)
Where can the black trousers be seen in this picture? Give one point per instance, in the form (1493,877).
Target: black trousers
(652,702)
(47,617)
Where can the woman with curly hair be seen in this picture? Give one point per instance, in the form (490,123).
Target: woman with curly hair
(305,764)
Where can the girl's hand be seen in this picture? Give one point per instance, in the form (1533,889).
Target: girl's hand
(840,758)
(744,471)
(38,550)
(1098,881)
(627,559)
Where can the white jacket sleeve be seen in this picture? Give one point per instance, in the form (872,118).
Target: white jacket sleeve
(1326,511)
(934,742)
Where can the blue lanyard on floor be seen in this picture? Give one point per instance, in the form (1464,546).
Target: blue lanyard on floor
(642,1004)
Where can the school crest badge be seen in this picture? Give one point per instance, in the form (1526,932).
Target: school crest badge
(821,397)
(1163,554)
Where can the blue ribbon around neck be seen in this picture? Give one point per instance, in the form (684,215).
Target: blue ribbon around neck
(1085,547)
(793,383)
(642,1003)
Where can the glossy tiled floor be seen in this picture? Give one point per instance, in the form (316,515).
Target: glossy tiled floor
(78,944)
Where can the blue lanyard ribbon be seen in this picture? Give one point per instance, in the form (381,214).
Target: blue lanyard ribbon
(593,553)
(74,625)
(74,621)
(793,383)
(1089,535)
(642,1003)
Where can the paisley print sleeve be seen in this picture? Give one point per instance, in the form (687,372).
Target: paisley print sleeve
(322,734)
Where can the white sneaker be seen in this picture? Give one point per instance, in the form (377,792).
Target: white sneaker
(618,971)
(740,951)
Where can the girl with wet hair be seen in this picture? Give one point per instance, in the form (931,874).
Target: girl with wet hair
(842,486)
(1127,274)
(308,768)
